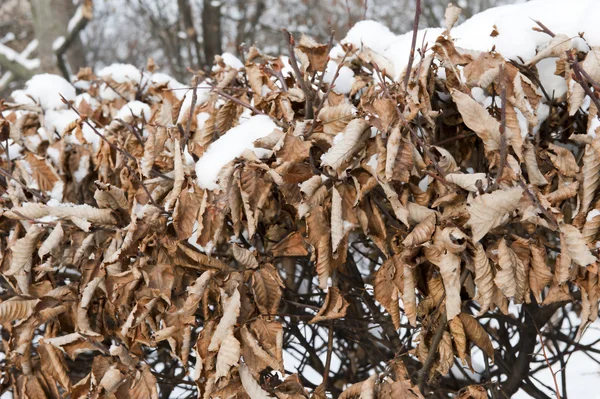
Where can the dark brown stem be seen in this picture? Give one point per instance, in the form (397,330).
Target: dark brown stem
(503,143)
(544,28)
(125,153)
(33,192)
(326,95)
(412,131)
(308,95)
(579,77)
(329,355)
(238,101)
(437,338)
(188,125)
(411,57)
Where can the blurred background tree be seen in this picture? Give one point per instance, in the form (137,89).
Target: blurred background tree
(180,35)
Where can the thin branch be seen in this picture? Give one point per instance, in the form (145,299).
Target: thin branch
(116,148)
(326,95)
(33,192)
(544,28)
(188,124)
(329,355)
(411,57)
(437,338)
(308,95)
(579,77)
(238,101)
(546,358)
(503,143)
(85,10)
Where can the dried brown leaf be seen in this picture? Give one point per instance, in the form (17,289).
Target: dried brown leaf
(334,307)
(491,210)
(476,334)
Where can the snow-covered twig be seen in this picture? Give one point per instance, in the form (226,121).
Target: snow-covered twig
(18,63)
(78,22)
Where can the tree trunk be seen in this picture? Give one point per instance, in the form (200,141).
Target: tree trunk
(211,30)
(50,21)
(185,11)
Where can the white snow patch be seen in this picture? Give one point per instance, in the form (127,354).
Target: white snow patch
(516,37)
(201,119)
(592,214)
(424,183)
(58,43)
(84,167)
(479,95)
(121,73)
(46,90)
(373,162)
(20,58)
(159,79)
(343,83)
(91,137)
(543,111)
(135,108)
(14,150)
(58,120)
(91,101)
(594,124)
(229,146)
(202,96)
(54,155)
(76,18)
(230,60)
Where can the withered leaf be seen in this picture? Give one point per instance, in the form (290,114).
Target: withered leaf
(334,307)
(476,334)
(490,210)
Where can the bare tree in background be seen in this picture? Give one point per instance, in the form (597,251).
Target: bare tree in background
(186,34)
(186,13)
(211,30)
(51,21)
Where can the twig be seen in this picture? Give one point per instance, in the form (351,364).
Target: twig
(279,76)
(23,186)
(544,28)
(308,111)
(412,131)
(578,71)
(188,124)
(411,57)
(437,338)
(455,138)
(116,148)
(329,355)
(32,220)
(326,95)
(546,356)
(131,129)
(85,10)
(326,62)
(238,101)
(503,144)
(249,106)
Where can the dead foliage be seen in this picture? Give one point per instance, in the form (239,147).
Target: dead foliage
(378,232)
